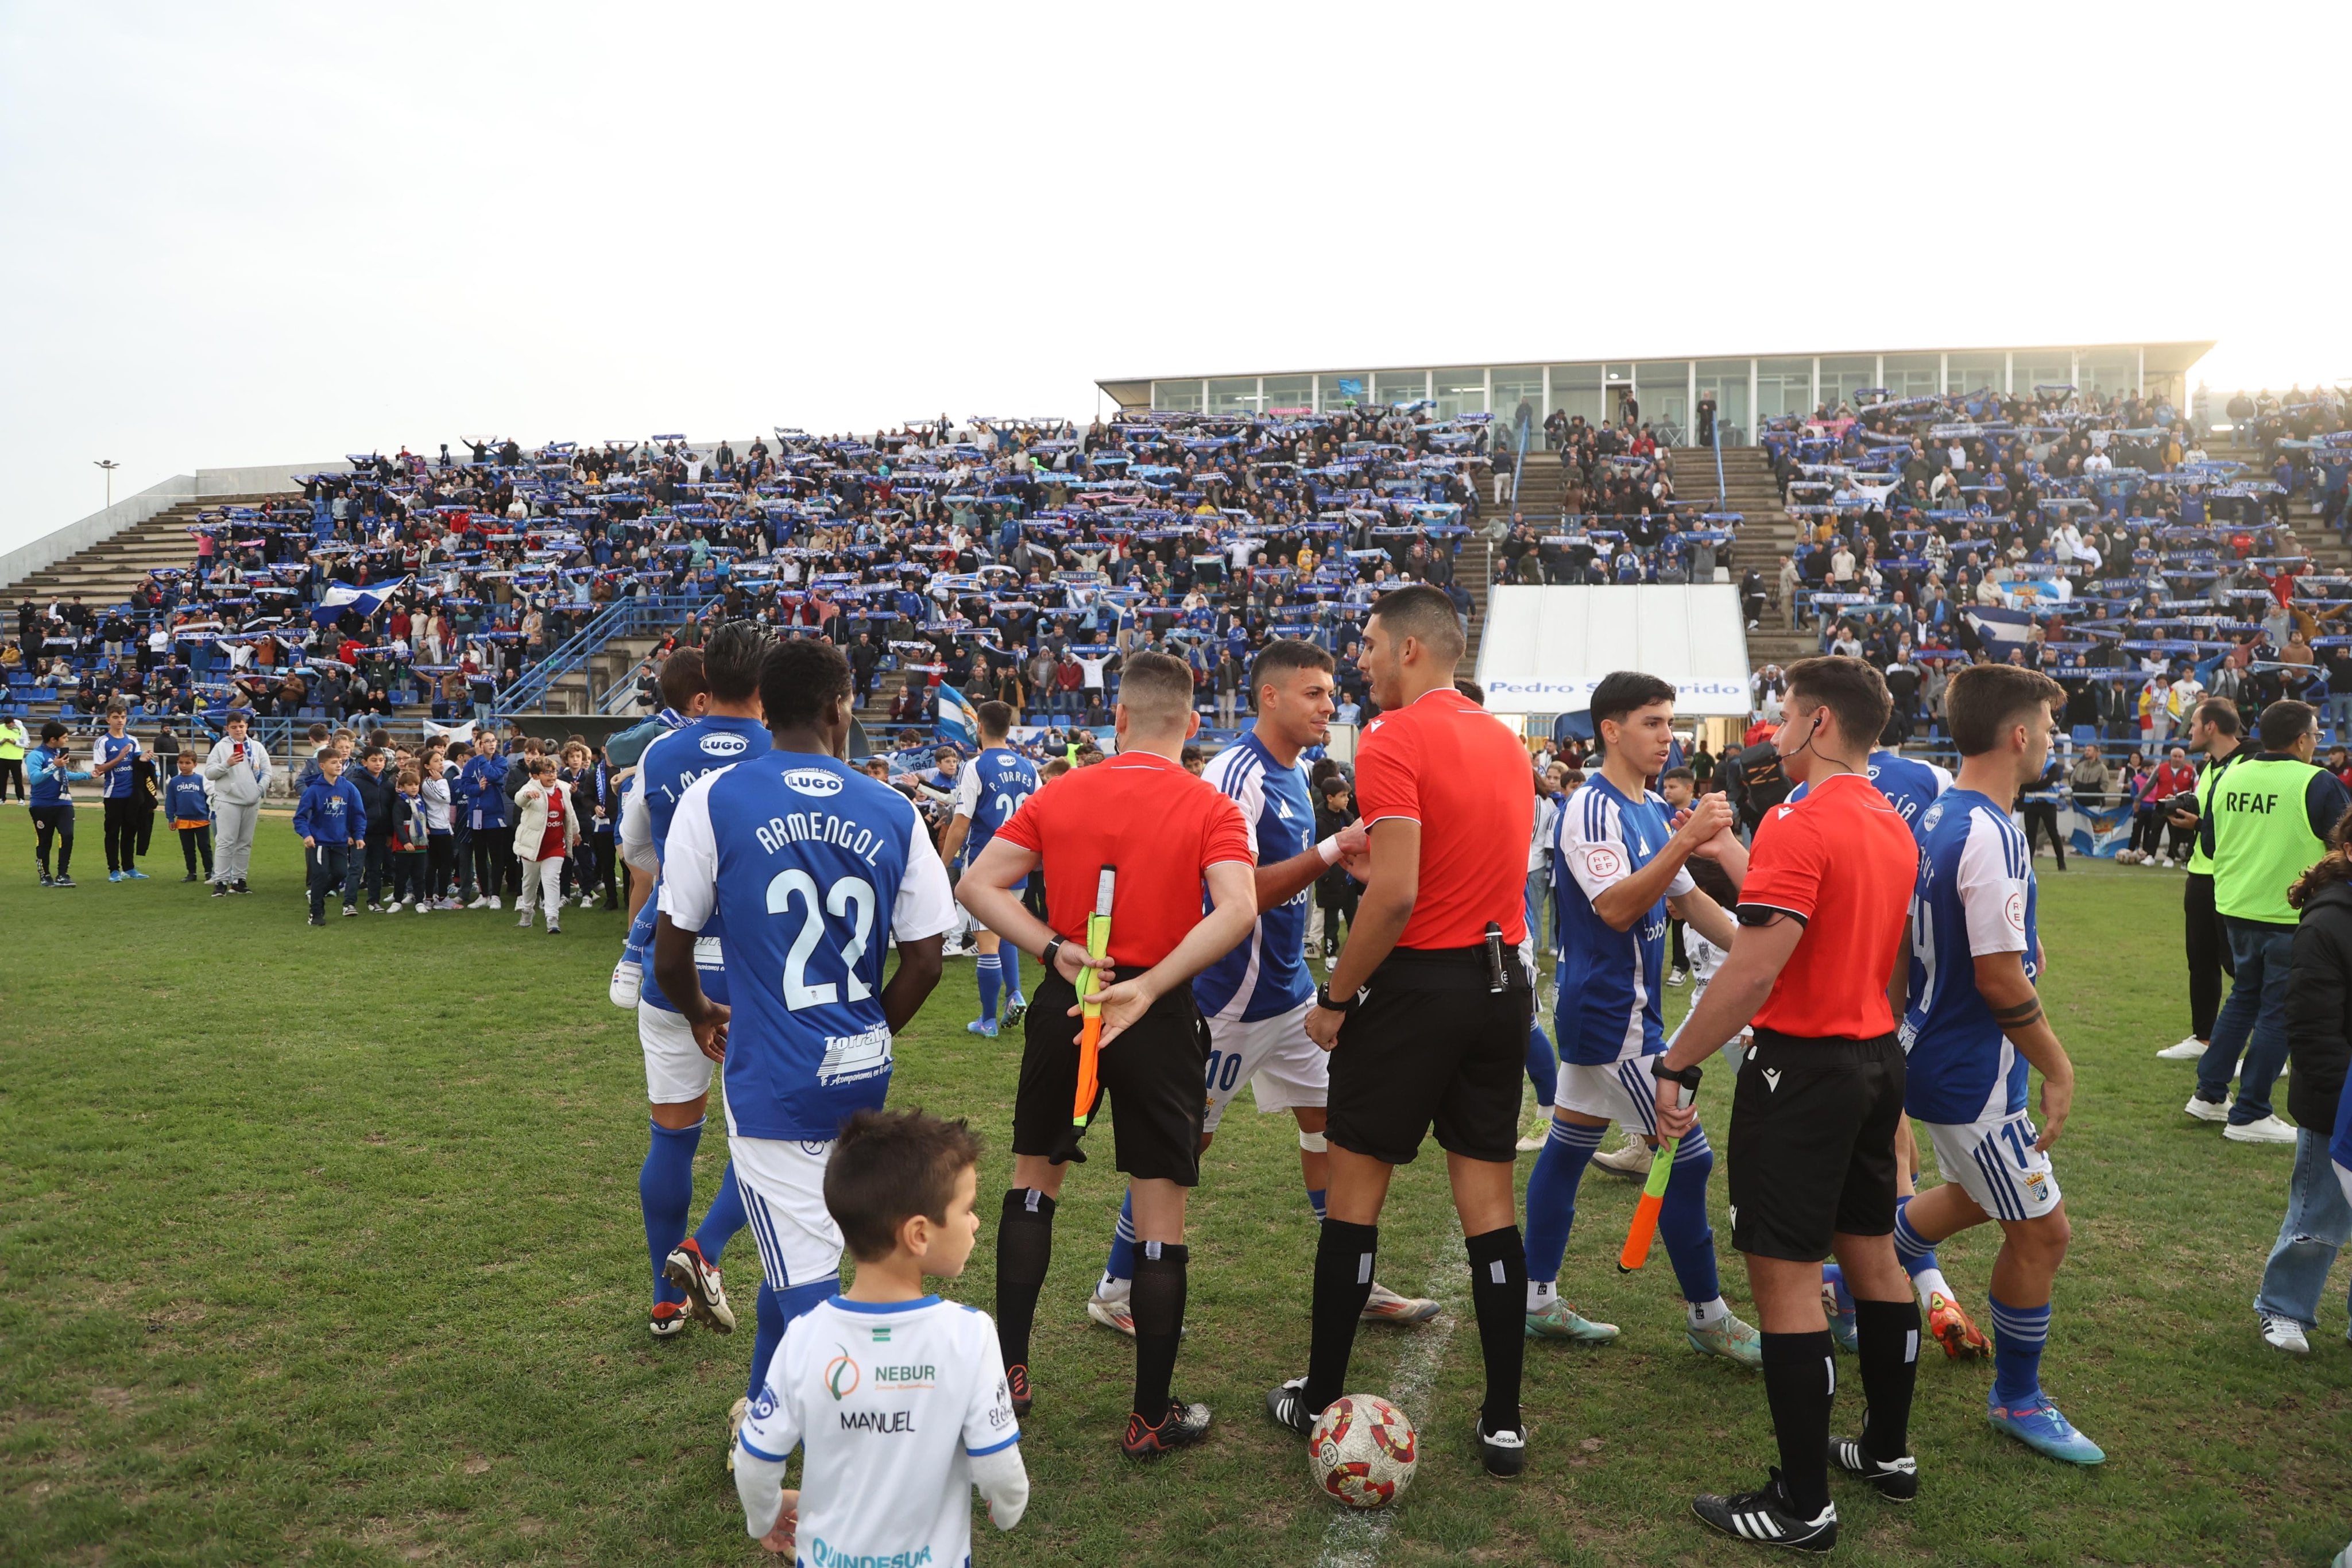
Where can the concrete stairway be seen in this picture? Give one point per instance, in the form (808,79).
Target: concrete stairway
(104,574)
(1766,531)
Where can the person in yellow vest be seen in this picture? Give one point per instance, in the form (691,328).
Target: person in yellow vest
(14,740)
(2213,729)
(2268,819)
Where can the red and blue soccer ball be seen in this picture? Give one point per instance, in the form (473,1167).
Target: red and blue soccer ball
(1362,1451)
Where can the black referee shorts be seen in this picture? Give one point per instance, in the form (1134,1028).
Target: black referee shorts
(1432,1044)
(1812,1144)
(1152,1072)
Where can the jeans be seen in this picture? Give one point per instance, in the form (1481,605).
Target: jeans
(1538,896)
(2339,717)
(2318,1222)
(2253,1021)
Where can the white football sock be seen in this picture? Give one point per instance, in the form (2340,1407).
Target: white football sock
(1540,1293)
(1929,1282)
(1707,1314)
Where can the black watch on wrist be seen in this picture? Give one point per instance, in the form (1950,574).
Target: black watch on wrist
(1687,1077)
(1053,950)
(1324,998)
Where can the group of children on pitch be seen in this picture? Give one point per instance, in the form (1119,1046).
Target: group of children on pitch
(425,828)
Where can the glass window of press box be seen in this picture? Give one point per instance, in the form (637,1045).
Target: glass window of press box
(1461,391)
(1747,391)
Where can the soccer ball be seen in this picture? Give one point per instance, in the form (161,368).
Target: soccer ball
(1362,1451)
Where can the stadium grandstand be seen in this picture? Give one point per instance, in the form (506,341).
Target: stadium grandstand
(2113,539)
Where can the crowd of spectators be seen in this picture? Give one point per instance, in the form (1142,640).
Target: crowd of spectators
(1017,559)
(2092,538)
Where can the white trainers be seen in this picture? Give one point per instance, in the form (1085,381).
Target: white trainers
(1631,1160)
(628,979)
(424,906)
(2269,1130)
(2188,1050)
(483,900)
(525,921)
(2164,862)
(2208,1110)
(494,902)
(2285,1333)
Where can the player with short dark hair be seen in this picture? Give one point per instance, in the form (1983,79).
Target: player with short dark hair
(1973,1025)
(816,870)
(1427,1012)
(1618,867)
(687,1279)
(1814,1113)
(990,788)
(1163,845)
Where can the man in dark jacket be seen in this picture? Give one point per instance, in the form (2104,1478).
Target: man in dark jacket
(2319,1039)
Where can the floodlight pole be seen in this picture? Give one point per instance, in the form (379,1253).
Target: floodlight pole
(109,464)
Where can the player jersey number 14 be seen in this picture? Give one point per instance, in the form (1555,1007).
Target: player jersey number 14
(850,900)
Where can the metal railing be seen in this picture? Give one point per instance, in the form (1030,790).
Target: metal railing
(618,619)
(1714,429)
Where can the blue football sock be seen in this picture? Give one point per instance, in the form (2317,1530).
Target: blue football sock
(1543,1066)
(1835,1278)
(665,1192)
(1008,963)
(1121,1265)
(723,1221)
(1315,1202)
(1681,1220)
(777,1309)
(988,976)
(1551,1195)
(2018,1335)
(1914,1250)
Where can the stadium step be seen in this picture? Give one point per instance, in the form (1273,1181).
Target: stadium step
(105,574)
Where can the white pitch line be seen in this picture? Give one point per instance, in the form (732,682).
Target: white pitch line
(1353,1538)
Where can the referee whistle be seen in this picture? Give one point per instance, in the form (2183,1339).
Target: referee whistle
(1494,958)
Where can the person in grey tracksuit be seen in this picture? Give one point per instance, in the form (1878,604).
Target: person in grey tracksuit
(239,772)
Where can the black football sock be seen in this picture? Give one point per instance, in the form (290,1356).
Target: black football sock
(1801,1384)
(1498,1293)
(1343,1283)
(1157,1300)
(1025,1248)
(1888,1332)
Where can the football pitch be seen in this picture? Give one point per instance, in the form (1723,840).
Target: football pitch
(323,1246)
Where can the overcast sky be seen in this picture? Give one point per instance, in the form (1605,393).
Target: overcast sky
(243,233)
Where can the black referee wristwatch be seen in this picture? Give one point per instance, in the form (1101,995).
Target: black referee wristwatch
(1053,950)
(1687,1077)
(1324,998)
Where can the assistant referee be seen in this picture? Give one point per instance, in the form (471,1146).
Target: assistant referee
(1426,1015)
(1175,846)
(1813,1116)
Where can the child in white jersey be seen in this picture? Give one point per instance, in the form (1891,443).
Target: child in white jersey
(899,1396)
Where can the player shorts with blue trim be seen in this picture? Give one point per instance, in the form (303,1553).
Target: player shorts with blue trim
(1623,1092)
(676,1069)
(782,1183)
(1283,1066)
(1996,1163)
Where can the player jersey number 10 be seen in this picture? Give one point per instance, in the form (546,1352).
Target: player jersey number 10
(853,899)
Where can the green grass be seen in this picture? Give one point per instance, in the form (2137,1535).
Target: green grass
(323,1246)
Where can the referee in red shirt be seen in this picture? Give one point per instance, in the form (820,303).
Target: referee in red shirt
(1177,847)
(1426,1016)
(1814,1111)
